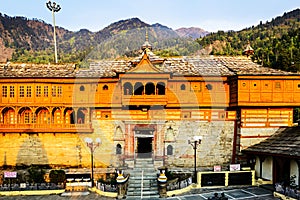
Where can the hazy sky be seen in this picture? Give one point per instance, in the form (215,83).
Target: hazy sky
(211,15)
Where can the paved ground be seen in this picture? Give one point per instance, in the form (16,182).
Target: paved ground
(251,193)
(56,197)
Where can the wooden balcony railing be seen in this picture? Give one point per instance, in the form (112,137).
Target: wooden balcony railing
(144,99)
(46,128)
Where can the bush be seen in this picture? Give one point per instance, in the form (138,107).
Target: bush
(57,176)
(36,174)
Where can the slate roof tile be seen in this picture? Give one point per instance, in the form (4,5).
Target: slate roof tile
(285,142)
(189,66)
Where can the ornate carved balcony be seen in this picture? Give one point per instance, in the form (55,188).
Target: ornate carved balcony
(134,100)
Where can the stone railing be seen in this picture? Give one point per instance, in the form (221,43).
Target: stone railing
(176,184)
(30,186)
(105,187)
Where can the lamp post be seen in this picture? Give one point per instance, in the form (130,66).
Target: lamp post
(195,141)
(54,8)
(92,145)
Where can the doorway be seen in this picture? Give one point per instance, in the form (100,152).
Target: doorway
(144,147)
(281,173)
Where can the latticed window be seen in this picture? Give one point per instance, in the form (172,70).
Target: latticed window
(26,117)
(28,91)
(46,91)
(29,117)
(59,91)
(21,91)
(38,91)
(54,91)
(4,91)
(12,91)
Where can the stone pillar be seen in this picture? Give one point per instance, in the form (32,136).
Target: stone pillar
(121,184)
(162,182)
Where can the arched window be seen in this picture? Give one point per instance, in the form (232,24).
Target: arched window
(138,88)
(150,88)
(119,149)
(27,116)
(82,88)
(69,114)
(169,150)
(182,87)
(43,115)
(160,88)
(105,87)
(81,113)
(127,88)
(9,116)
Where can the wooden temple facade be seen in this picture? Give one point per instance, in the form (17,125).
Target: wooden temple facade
(146,106)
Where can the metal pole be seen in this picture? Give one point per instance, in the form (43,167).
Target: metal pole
(195,162)
(54,36)
(53,7)
(92,163)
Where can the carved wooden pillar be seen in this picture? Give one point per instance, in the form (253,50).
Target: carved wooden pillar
(75,110)
(88,116)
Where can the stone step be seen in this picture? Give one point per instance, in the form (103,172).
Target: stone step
(139,192)
(134,186)
(139,172)
(143,166)
(138,185)
(143,170)
(152,197)
(133,190)
(138,161)
(148,178)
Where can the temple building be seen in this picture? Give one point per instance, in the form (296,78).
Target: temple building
(145,107)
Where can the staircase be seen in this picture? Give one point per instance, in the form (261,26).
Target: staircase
(143,180)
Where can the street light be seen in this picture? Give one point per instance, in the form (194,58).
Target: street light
(92,145)
(195,141)
(54,8)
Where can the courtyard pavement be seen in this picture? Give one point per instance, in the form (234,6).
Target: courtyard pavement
(250,193)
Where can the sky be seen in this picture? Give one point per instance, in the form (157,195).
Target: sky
(210,15)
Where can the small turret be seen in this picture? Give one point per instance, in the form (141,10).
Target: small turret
(146,44)
(248,50)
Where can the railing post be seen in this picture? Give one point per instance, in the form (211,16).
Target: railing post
(226,178)
(199,176)
(253,177)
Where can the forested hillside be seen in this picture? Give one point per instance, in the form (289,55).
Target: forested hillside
(276,43)
(25,40)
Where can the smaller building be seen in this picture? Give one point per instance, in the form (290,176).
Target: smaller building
(277,158)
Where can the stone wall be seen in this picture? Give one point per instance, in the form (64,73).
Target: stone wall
(70,150)
(252,136)
(215,148)
(58,150)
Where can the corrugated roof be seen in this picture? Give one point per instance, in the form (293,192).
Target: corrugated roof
(285,142)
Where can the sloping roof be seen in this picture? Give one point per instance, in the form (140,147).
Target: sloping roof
(145,66)
(187,66)
(36,70)
(285,142)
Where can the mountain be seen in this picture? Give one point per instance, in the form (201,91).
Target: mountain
(276,43)
(192,32)
(26,40)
